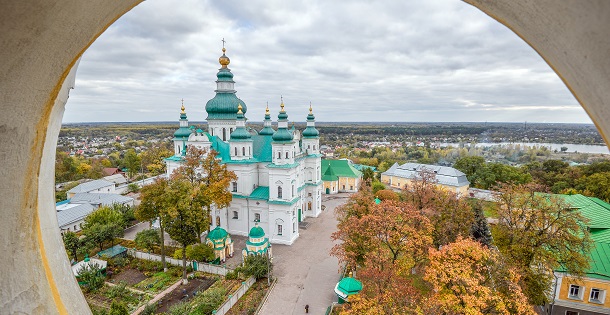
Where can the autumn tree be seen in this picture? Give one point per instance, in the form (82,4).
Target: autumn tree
(154,197)
(182,215)
(469,278)
(209,179)
(539,233)
(152,159)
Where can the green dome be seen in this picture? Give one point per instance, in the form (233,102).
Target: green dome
(256,232)
(282,134)
(182,132)
(266,131)
(240,134)
(349,286)
(225,75)
(217,233)
(311,132)
(224,106)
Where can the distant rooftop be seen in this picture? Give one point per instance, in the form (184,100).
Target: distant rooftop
(90,186)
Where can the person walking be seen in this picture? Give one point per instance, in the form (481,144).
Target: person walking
(306,308)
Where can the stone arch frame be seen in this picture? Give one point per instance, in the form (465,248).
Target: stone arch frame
(571,37)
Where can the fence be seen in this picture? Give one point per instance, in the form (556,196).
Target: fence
(217,270)
(226,306)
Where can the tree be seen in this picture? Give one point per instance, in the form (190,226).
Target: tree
(210,181)
(597,185)
(377,186)
(199,252)
(368,174)
(91,277)
(387,194)
(148,239)
(258,266)
(468,278)
(103,225)
(72,243)
(539,233)
(182,215)
(469,165)
(152,207)
(480,229)
(132,161)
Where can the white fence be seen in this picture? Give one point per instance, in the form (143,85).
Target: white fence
(226,306)
(214,269)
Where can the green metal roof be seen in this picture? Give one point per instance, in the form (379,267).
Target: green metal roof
(349,286)
(340,168)
(282,135)
(182,132)
(217,234)
(256,232)
(261,148)
(361,167)
(311,132)
(224,106)
(283,202)
(112,251)
(283,165)
(596,210)
(261,192)
(329,175)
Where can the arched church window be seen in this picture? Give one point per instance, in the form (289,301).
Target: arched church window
(279,192)
(314,146)
(235,151)
(286,154)
(309,205)
(249,151)
(243,151)
(224,134)
(279,155)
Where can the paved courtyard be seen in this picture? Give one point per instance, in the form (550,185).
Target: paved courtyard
(306,272)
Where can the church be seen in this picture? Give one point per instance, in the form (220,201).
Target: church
(278,171)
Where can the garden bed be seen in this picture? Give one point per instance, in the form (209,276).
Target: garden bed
(103,298)
(184,293)
(129,276)
(248,303)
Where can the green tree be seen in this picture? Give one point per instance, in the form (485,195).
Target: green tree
(91,277)
(258,266)
(154,197)
(132,161)
(182,215)
(148,239)
(368,174)
(480,229)
(103,225)
(597,185)
(539,233)
(72,243)
(469,165)
(199,252)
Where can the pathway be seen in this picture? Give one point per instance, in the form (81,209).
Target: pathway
(305,271)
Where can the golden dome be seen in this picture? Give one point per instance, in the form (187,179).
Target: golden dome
(224,60)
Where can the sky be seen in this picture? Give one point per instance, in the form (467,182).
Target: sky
(398,61)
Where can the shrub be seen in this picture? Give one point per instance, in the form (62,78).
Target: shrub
(232,275)
(150,309)
(92,278)
(118,308)
(180,309)
(148,239)
(118,291)
(255,265)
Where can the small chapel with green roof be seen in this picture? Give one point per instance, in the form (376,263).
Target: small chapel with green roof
(278,170)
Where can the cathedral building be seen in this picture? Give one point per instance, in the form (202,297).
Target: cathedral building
(278,171)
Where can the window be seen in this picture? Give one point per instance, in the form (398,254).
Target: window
(234,186)
(351,187)
(257,217)
(279,155)
(243,151)
(235,215)
(235,151)
(597,295)
(74,227)
(224,134)
(293,192)
(279,192)
(218,221)
(575,292)
(309,194)
(343,187)
(286,154)
(309,205)
(314,146)
(309,146)
(249,151)
(294,227)
(279,229)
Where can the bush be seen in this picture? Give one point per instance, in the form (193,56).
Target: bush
(148,239)
(199,252)
(118,308)
(231,275)
(377,186)
(133,188)
(180,309)
(118,291)
(92,277)
(209,300)
(150,309)
(256,265)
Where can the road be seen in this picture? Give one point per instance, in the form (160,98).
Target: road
(306,273)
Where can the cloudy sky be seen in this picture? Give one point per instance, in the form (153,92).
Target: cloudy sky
(412,61)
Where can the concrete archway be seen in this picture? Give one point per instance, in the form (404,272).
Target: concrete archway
(41,42)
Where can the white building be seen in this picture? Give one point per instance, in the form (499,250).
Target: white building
(278,171)
(94,186)
(71,213)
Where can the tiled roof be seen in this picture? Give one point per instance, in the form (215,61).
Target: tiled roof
(89,186)
(448,176)
(262,149)
(339,168)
